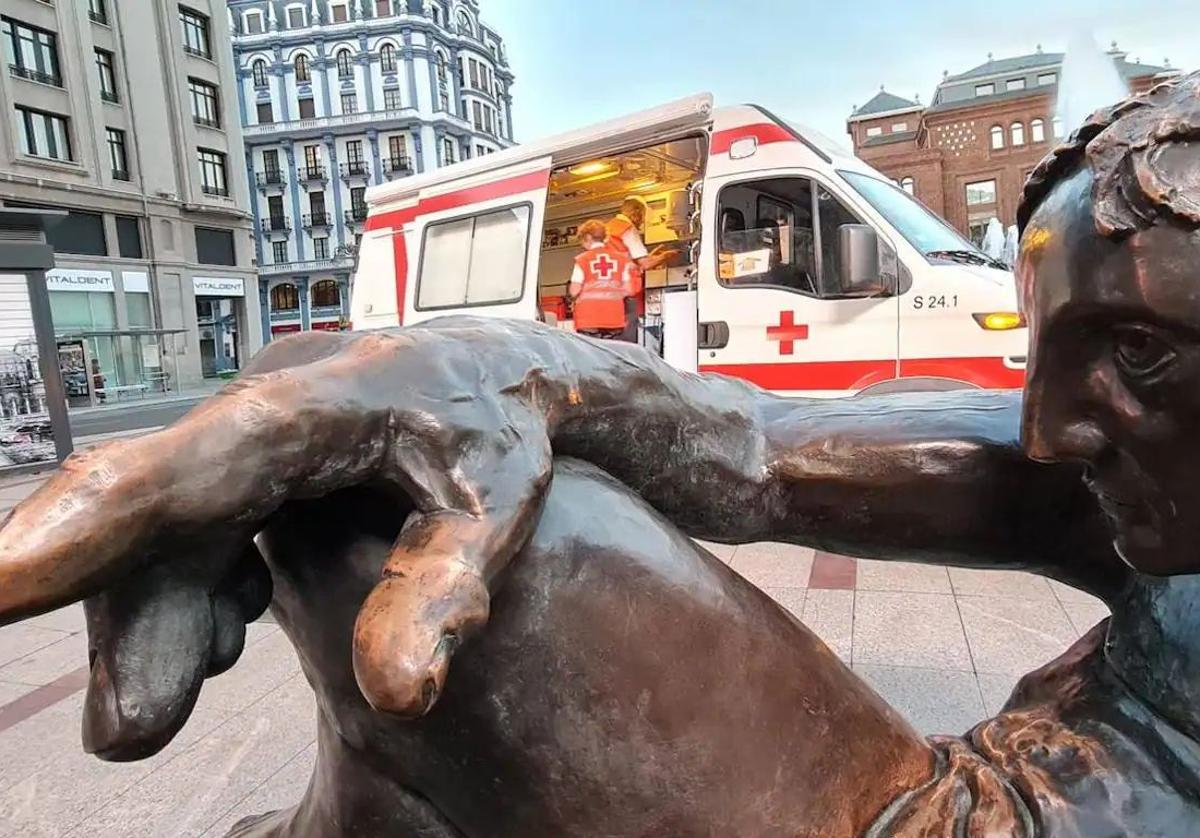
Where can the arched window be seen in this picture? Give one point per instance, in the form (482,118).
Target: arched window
(345,70)
(1017,129)
(387,58)
(301,67)
(285,298)
(997,137)
(326,294)
(465,27)
(441,67)
(259,68)
(1037,131)
(908,185)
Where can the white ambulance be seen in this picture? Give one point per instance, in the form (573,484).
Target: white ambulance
(800,268)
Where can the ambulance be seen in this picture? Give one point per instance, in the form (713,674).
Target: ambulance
(798,267)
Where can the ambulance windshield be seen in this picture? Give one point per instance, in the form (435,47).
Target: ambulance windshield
(923,230)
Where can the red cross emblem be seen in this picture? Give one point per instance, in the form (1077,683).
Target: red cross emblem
(602,266)
(787,331)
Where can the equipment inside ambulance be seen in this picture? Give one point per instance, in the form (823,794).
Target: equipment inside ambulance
(796,265)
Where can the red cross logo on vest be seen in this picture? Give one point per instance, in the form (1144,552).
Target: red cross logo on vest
(787,331)
(603,266)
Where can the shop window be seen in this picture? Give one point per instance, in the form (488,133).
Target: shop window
(129,237)
(138,310)
(326,294)
(285,297)
(214,247)
(478,260)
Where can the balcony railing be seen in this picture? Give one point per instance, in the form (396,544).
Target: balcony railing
(307,266)
(311,123)
(356,215)
(271,177)
(316,219)
(206,122)
(208,189)
(109,96)
(397,166)
(35,75)
(354,168)
(308,174)
(275,224)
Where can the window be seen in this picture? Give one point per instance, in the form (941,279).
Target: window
(308,109)
(97,11)
(985,89)
(338,13)
(908,185)
(383,8)
(325,294)
(464,24)
(473,65)
(474,261)
(447,150)
(137,306)
(320,247)
(354,156)
(316,203)
(43,134)
(344,66)
(981,193)
(1057,125)
(1014,84)
(264,112)
(874,130)
(32,52)
(212,172)
(214,247)
(279,252)
(477,115)
(997,137)
(437,15)
(312,160)
(920,227)
(270,157)
(275,217)
(285,297)
(398,151)
(205,110)
(443,100)
(259,71)
(480,150)
(441,67)
(781,232)
(349,103)
(104,70)
(1017,130)
(253,22)
(387,58)
(300,65)
(195,33)
(80,232)
(1047,78)
(296,18)
(391,99)
(116,154)
(129,237)
(899,127)
(1037,131)
(358,202)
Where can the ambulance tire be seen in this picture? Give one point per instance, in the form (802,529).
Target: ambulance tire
(915,385)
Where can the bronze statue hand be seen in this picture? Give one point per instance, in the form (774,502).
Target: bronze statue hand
(310,415)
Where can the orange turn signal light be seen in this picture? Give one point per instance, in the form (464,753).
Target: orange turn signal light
(1000,321)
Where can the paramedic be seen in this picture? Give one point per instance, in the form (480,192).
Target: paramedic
(624,234)
(603,279)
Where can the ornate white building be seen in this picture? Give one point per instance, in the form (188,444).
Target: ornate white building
(336,95)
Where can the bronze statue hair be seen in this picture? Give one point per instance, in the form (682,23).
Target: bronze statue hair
(1143,163)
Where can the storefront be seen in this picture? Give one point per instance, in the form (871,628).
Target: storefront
(221,318)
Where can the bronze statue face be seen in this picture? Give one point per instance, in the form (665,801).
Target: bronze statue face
(1114,369)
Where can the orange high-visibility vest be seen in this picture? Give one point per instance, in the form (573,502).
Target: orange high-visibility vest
(615,228)
(608,279)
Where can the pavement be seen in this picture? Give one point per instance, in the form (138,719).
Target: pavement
(134,414)
(943,645)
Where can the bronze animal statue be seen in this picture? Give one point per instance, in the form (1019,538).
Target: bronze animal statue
(409,487)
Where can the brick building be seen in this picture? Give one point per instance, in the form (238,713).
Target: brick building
(966,155)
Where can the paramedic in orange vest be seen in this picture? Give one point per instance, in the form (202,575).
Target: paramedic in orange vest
(602,280)
(624,235)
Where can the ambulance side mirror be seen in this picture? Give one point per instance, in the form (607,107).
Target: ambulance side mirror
(858,262)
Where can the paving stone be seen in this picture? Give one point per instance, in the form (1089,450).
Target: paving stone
(1012,635)
(49,662)
(933,700)
(1012,583)
(773,565)
(1083,614)
(790,598)
(909,629)
(830,614)
(1066,593)
(282,789)
(69,619)
(903,576)
(996,688)
(724,552)
(19,639)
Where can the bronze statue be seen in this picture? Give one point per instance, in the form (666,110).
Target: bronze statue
(408,487)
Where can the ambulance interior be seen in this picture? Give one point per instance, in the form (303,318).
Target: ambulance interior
(661,175)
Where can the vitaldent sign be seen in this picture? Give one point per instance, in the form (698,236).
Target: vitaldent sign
(218,286)
(74,279)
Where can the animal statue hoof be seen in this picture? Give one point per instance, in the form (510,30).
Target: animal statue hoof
(408,629)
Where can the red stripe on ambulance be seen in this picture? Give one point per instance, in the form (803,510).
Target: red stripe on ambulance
(764,132)
(989,373)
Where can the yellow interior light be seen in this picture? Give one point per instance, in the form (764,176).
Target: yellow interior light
(643,185)
(1000,321)
(593,168)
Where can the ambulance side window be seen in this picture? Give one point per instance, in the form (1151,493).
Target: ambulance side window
(473,261)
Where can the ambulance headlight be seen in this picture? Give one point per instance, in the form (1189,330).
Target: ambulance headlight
(1000,321)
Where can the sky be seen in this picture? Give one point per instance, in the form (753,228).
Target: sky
(804,60)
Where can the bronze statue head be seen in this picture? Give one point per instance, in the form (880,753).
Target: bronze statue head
(1109,277)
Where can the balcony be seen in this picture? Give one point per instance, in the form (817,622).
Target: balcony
(355,169)
(317,124)
(35,75)
(311,174)
(272,180)
(395,167)
(356,215)
(310,266)
(316,219)
(274,224)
